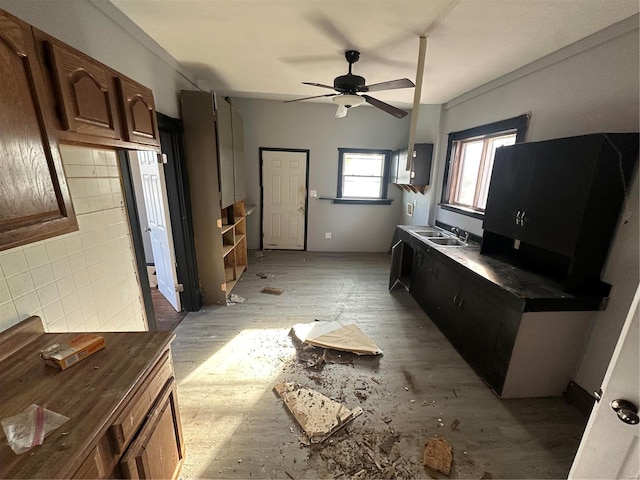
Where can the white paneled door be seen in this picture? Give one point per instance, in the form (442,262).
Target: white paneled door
(610,446)
(284,194)
(157,207)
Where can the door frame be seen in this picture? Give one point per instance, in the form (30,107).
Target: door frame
(306,186)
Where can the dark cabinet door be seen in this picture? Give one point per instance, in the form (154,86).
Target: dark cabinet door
(442,296)
(558,191)
(508,189)
(33,192)
(421,165)
(421,275)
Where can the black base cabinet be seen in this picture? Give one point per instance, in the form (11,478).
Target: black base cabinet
(519,348)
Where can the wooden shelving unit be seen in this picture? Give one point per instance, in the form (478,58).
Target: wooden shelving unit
(234,243)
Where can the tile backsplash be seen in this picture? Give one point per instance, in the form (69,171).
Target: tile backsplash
(85,280)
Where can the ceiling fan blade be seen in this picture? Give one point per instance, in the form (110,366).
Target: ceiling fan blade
(390,109)
(317,85)
(341,112)
(307,98)
(390,85)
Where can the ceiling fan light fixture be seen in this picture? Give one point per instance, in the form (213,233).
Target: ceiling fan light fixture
(347,100)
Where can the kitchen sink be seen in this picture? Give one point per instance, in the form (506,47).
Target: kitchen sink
(431,233)
(447,242)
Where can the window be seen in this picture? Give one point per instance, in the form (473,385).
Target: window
(363,175)
(470,155)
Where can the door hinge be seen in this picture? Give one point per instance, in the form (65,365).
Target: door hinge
(162,158)
(179,288)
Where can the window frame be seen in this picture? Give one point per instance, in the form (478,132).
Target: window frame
(517,124)
(382,199)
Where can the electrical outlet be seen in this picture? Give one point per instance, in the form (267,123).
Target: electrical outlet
(327,235)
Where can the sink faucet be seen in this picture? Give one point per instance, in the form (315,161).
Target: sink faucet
(465,237)
(456,231)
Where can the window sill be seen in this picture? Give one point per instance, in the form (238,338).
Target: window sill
(359,201)
(462,210)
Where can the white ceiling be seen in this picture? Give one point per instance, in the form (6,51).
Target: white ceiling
(266,48)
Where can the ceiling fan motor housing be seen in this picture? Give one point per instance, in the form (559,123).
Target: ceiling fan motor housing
(349,84)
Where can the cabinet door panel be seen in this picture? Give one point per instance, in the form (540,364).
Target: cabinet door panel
(558,190)
(508,188)
(33,192)
(139,112)
(443,292)
(85,92)
(225,151)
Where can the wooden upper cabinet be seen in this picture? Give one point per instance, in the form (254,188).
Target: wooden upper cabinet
(138,112)
(84,90)
(34,198)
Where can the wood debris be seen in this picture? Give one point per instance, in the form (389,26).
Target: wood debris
(318,415)
(438,455)
(455,424)
(272,291)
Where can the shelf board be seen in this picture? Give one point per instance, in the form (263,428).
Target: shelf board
(226,228)
(239,236)
(237,220)
(229,286)
(226,249)
(228,274)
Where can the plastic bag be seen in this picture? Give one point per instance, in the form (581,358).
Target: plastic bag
(28,429)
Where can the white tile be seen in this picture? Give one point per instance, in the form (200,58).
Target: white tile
(98,219)
(88,239)
(85,222)
(111,157)
(73,244)
(77,261)
(70,302)
(66,285)
(27,305)
(104,316)
(102,171)
(56,249)
(91,186)
(89,171)
(72,171)
(107,201)
(48,294)
(13,262)
(113,232)
(72,155)
(77,187)
(52,313)
(36,255)
(95,203)
(80,205)
(99,157)
(104,187)
(113,171)
(59,326)
(110,216)
(118,200)
(82,278)
(124,229)
(115,185)
(20,284)
(74,320)
(42,275)
(61,268)
(92,324)
(5,295)
(91,256)
(8,314)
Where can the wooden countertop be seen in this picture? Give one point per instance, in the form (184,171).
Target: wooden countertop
(89,393)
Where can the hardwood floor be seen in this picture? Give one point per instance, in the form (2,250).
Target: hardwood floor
(166,317)
(227,360)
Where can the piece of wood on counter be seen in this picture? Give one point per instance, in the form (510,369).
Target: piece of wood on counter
(318,415)
(438,455)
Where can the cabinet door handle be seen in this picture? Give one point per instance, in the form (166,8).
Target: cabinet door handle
(522,218)
(455,299)
(461,303)
(518,218)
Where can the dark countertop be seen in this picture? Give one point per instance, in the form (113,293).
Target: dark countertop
(528,291)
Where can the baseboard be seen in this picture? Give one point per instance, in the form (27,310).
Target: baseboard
(578,396)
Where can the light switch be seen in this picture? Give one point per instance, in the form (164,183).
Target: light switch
(313,193)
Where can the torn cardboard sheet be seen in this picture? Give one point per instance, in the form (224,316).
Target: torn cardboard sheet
(438,455)
(318,415)
(347,338)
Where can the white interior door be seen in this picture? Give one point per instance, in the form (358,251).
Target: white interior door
(157,207)
(284,193)
(610,447)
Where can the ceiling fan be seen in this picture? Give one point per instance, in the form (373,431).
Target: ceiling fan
(349,86)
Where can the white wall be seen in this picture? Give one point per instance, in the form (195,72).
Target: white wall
(591,86)
(101,31)
(312,126)
(427,131)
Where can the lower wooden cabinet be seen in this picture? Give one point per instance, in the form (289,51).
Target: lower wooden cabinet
(122,405)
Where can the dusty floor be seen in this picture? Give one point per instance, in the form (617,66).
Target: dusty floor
(228,359)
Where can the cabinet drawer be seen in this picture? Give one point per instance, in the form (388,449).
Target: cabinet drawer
(127,423)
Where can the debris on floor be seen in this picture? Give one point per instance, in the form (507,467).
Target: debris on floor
(438,455)
(318,415)
(261,275)
(333,335)
(387,445)
(272,291)
(233,299)
(259,254)
(455,424)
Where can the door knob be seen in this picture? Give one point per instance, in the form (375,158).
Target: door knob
(626,411)
(147,229)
